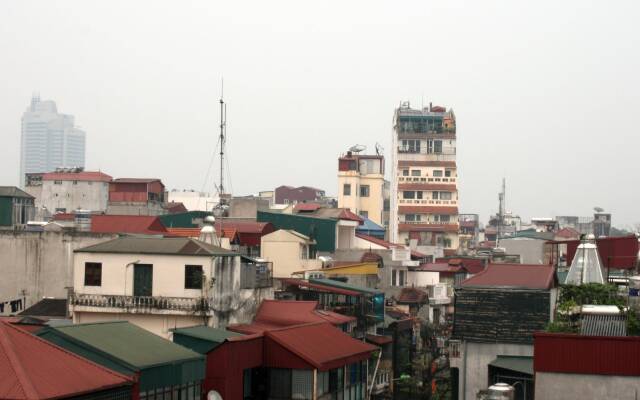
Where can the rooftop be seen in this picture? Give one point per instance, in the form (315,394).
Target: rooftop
(89,176)
(55,308)
(12,191)
(157,245)
(136,224)
(412,296)
(127,342)
(31,368)
(136,180)
(513,276)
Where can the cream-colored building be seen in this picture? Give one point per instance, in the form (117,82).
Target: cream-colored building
(424,192)
(361,184)
(289,251)
(165,283)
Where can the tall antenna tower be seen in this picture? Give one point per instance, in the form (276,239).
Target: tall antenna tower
(501,210)
(223,139)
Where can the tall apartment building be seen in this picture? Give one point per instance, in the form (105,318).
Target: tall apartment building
(361,184)
(424,195)
(49,139)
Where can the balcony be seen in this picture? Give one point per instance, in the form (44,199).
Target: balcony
(429,202)
(140,304)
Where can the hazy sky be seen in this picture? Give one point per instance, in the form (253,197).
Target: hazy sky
(545,93)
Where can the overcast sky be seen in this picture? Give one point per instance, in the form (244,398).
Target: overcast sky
(546,94)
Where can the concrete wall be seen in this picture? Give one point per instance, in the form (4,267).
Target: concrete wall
(82,195)
(247,207)
(158,324)
(117,273)
(134,208)
(372,204)
(284,250)
(39,264)
(551,386)
(531,251)
(474,364)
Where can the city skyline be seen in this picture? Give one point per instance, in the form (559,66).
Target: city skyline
(526,101)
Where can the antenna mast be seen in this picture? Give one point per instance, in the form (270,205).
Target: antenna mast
(501,212)
(223,139)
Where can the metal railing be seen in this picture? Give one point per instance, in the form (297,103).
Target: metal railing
(427,201)
(189,304)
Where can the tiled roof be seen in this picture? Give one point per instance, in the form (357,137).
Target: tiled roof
(524,276)
(156,245)
(136,224)
(321,345)
(32,368)
(90,176)
(568,233)
(412,296)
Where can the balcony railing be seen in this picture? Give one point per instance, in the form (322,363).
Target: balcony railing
(425,180)
(428,201)
(423,150)
(186,304)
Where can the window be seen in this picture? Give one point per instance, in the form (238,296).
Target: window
(92,274)
(407,194)
(346,189)
(446,242)
(434,195)
(415,172)
(304,252)
(437,173)
(193,276)
(445,195)
(437,146)
(394,281)
(447,172)
(410,146)
(301,384)
(402,281)
(57,182)
(364,214)
(412,217)
(364,190)
(405,172)
(75,182)
(280,383)
(418,195)
(322,384)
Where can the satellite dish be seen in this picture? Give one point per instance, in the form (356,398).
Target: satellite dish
(213,395)
(357,148)
(598,209)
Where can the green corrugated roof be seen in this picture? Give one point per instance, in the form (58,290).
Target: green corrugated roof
(12,191)
(129,343)
(342,285)
(183,220)
(522,364)
(322,230)
(206,333)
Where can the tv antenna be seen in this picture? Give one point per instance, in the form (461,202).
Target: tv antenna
(379,149)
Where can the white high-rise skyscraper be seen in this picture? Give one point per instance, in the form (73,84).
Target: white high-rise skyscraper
(49,139)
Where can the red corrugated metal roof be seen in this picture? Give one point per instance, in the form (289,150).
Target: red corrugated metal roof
(306,207)
(440,267)
(568,233)
(379,242)
(412,296)
(92,176)
(592,355)
(136,224)
(615,252)
(32,368)
(136,180)
(320,344)
(379,339)
(249,232)
(527,276)
(275,314)
(64,217)
(318,287)
(472,265)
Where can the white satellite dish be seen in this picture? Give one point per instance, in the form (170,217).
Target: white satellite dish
(213,395)
(357,148)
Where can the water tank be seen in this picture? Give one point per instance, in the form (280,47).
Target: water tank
(82,220)
(501,391)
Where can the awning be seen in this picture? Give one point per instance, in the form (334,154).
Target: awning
(521,364)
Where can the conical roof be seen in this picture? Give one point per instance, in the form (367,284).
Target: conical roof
(586,266)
